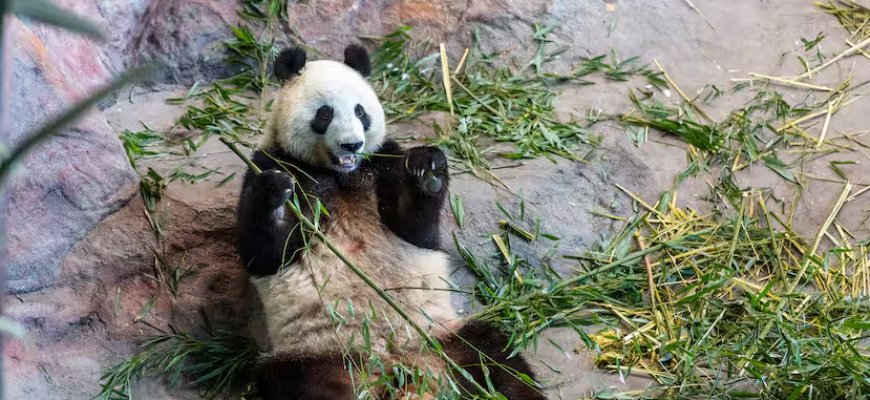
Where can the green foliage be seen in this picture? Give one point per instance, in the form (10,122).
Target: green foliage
(140,144)
(617,70)
(496,106)
(226,107)
(456,205)
(213,363)
(754,133)
(675,121)
(492,104)
(722,318)
(223,111)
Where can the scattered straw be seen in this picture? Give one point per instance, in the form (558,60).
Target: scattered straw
(692,5)
(853,16)
(680,91)
(445,76)
(818,240)
(461,62)
(811,116)
(827,121)
(787,82)
(851,50)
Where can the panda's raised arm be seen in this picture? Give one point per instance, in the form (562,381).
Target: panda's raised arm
(411,191)
(267,235)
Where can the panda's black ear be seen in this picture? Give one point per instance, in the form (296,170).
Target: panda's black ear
(289,63)
(356,57)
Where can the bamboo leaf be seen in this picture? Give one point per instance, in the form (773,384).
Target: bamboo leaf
(46,12)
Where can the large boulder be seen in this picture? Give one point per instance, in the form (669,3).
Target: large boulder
(186,37)
(61,190)
(74,180)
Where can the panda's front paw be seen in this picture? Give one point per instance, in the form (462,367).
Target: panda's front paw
(274,187)
(427,166)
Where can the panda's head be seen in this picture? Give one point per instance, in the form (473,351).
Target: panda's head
(326,113)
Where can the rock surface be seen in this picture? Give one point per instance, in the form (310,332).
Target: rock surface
(186,36)
(77,178)
(80,300)
(68,185)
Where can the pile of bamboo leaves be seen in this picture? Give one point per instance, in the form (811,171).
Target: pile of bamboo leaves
(707,307)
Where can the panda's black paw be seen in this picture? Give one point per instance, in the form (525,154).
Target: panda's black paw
(427,167)
(273,187)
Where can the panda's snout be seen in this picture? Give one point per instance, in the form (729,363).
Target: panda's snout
(352,147)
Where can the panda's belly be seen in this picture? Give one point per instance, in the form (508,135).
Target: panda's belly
(319,306)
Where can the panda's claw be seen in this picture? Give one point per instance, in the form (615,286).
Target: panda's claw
(427,166)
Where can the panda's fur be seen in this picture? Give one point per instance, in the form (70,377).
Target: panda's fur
(381,211)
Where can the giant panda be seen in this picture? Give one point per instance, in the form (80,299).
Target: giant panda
(325,148)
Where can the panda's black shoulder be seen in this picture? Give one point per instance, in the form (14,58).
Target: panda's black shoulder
(267,159)
(391,147)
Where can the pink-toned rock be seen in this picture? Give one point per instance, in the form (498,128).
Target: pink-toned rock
(75,179)
(186,36)
(82,325)
(506,25)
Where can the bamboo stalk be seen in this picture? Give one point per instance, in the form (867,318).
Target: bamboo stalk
(824,228)
(790,82)
(445,77)
(815,115)
(863,53)
(461,62)
(827,121)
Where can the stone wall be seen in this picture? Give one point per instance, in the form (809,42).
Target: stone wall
(64,188)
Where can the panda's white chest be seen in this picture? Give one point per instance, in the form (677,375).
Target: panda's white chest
(318,305)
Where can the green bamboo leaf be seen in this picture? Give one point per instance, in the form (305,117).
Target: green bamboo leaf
(67,117)
(458,209)
(857,325)
(11,327)
(46,12)
(780,167)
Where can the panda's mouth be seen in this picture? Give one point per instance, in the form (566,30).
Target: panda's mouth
(345,162)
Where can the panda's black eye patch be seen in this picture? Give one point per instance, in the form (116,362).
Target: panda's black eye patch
(322,119)
(363,116)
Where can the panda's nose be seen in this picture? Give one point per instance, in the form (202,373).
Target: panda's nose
(351,147)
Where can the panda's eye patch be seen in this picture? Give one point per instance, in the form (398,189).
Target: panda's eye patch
(322,119)
(324,113)
(363,116)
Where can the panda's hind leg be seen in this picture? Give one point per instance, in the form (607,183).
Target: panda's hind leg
(478,337)
(308,378)
(412,185)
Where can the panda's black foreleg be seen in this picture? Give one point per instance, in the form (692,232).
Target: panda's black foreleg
(412,185)
(266,235)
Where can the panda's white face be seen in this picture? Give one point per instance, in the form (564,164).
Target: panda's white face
(328,115)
